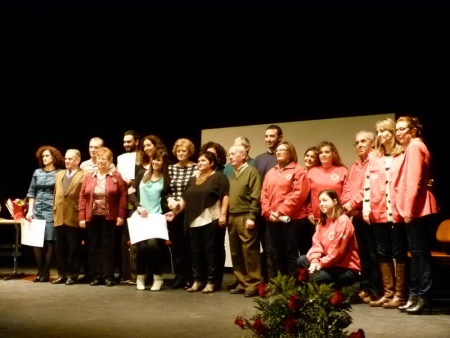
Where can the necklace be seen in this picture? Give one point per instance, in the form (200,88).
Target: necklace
(202,178)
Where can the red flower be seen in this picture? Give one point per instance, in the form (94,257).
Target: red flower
(240,322)
(337,298)
(258,326)
(294,302)
(262,290)
(290,325)
(303,274)
(359,334)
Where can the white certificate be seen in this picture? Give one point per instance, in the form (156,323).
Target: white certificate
(126,164)
(32,233)
(153,226)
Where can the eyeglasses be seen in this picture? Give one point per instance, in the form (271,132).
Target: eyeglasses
(402,129)
(281,150)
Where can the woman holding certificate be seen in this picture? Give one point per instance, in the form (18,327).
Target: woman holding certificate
(151,187)
(40,201)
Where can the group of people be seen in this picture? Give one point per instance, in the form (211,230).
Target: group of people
(341,225)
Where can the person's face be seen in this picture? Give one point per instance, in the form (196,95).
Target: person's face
(326,204)
(94,146)
(47,157)
(103,163)
(403,133)
(203,164)
(157,164)
(272,138)
(282,153)
(129,143)
(182,153)
(363,145)
(384,136)
(149,148)
(236,157)
(325,155)
(71,160)
(310,159)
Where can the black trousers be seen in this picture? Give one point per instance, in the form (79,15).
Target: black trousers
(68,250)
(101,247)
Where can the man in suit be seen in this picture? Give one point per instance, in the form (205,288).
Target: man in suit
(65,214)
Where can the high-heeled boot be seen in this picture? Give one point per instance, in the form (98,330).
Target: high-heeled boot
(412,301)
(421,305)
(387,277)
(400,288)
(37,278)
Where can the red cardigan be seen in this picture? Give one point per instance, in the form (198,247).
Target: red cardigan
(116,196)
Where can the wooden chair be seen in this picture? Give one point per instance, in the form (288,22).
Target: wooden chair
(441,257)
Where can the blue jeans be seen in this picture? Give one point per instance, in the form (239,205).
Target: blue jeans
(421,278)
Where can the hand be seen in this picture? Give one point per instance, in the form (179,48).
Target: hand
(142,211)
(82,224)
(408,220)
(169,216)
(274,217)
(311,219)
(120,221)
(29,216)
(222,220)
(250,225)
(314,267)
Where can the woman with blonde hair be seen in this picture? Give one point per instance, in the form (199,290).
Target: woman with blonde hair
(379,211)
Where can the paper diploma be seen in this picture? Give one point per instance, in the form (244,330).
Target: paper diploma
(32,233)
(126,165)
(153,226)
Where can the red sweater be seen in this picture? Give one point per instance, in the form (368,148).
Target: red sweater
(334,244)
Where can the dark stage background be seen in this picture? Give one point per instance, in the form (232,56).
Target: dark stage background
(71,71)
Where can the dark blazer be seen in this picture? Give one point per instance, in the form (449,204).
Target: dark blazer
(65,204)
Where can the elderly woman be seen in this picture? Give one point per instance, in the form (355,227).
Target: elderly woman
(205,202)
(102,206)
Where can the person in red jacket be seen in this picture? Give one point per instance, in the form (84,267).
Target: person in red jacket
(283,205)
(333,257)
(102,206)
(416,203)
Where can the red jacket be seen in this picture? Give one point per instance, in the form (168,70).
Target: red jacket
(285,191)
(413,196)
(116,196)
(353,190)
(334,244)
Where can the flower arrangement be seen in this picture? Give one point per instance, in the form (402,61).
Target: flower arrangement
(289,308)
(17,208)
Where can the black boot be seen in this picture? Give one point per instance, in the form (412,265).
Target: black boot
(421,305)
(412,301)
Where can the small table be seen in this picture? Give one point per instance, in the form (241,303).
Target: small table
(16,224)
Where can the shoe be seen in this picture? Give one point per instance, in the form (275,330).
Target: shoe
(237,291)
(412,301)
(421,305)
(45,277)
(233,285)
(250,293)
(371,298)
(178,284)
(158,282)
(83,280)
(60,280)
(394,303)
(37,278)
(363,294)
(70,281)
(96,281)
(209,288)
(109,282)
(188,285)
(195,287)
(379,302)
